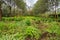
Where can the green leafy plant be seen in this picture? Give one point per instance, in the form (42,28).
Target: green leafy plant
(53,28)
(32,32)
(12,18)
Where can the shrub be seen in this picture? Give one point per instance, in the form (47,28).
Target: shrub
(32,32)
(53,31)
(12,18)
(53,28)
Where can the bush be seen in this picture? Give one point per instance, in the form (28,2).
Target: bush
(16,36)
(12,18)
(53,28)
(32,32)
(52,31)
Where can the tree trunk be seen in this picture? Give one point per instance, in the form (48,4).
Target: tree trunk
(0,13)
(56,15)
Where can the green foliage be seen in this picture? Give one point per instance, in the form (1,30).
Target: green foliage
(6,10)
(28,27)
(21,4)
(12,18)
(8,37)
(32,32)
(40,7)
(16,36)
(53,28)
(2,24)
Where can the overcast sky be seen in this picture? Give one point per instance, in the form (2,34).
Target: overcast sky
(30,2)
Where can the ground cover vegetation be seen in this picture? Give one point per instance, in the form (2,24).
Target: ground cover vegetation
(21,22)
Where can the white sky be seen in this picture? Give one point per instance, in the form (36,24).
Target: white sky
(30,2)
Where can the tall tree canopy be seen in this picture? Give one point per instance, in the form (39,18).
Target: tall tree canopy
(21,4)
(53,4)
(40,6)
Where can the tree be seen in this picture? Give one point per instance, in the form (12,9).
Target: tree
(40,6)
(43,6)
(0,11)
(53,4)
(6,10)
(21,4)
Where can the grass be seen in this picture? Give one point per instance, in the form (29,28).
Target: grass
(34,28)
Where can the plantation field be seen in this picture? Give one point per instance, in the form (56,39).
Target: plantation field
(29,28)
